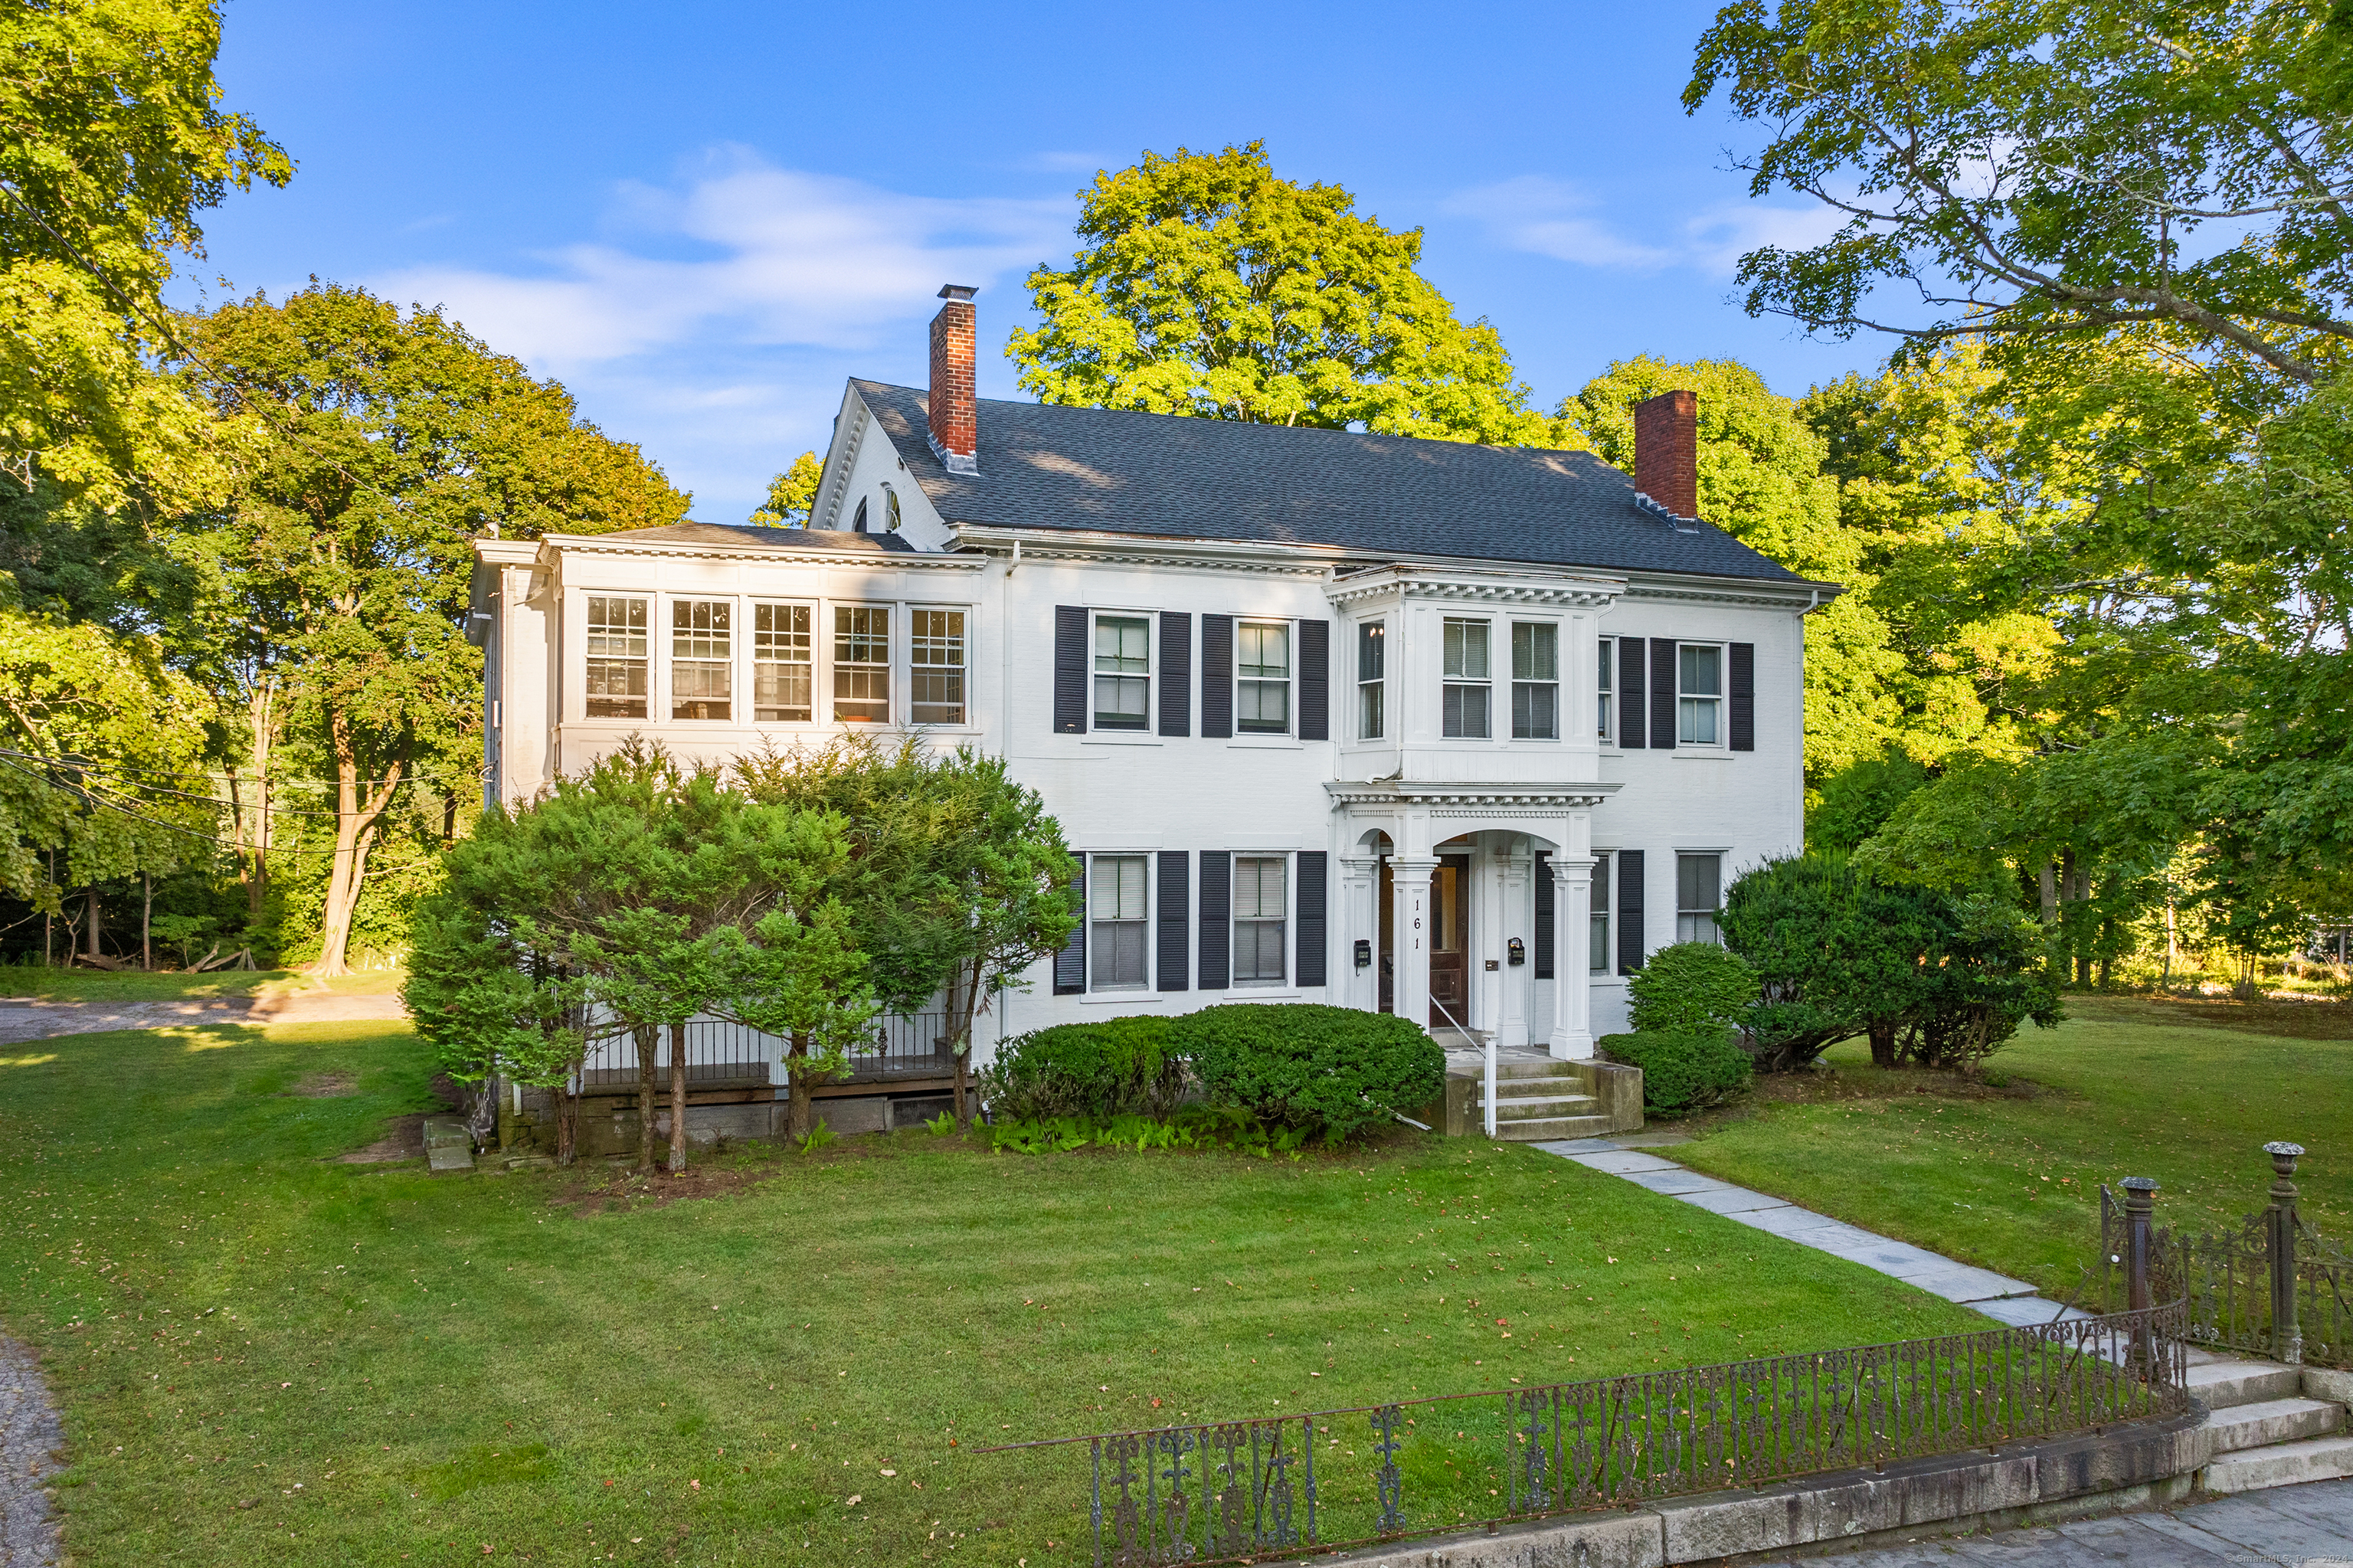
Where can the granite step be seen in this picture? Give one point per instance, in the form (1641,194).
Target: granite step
(2270,1422)
(2281,1465)
(2218,1384)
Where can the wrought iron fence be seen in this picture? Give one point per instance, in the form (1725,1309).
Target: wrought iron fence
(2268,1286)
(721,1055)
(1220,1491)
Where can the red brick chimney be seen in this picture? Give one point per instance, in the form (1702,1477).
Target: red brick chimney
(1666,449)
(955,428)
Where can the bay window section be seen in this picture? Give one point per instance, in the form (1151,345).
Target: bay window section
(1699,693)
(1115,903)
(936,659)
(1698,895)
(617,658)
(1123,671)
(1260,919)
(1536,681)
(1464,709)
(1607,686)
(862,664)
(781,667)
(701,658)
(1372,684)
(1262,682)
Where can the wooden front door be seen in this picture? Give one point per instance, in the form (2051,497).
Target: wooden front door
(1450,942)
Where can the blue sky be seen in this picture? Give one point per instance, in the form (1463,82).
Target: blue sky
(701,217)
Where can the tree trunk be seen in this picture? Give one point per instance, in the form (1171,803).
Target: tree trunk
(2050,890)
(94,954)
(567,1125)
(677,1099)
(251,846)
(356,810)
(1883,1043)
(648,1044)
(964,1002)
(797,1096)
(146,921)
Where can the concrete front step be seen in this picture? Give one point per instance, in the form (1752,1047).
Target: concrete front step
(1508,1106)
(2218,1385)
(2282,1465)
(1545,1129)
(2240,1427)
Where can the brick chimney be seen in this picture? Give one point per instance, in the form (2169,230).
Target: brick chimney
(1666,449)
(955,428)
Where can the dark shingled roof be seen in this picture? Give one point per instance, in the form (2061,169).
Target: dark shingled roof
(1173,477)
(758,537)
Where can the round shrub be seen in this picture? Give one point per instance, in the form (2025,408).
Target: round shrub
(1116,1066)
(1690,987)
(1682,1073)
(1328,1070)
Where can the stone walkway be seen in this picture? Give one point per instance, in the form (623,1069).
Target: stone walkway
(2309,1525)
(29,1439)
(23,1018)
(1998,1296)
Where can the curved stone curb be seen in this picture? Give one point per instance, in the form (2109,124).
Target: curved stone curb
(29,1439)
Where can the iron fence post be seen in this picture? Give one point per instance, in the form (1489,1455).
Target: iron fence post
(2287,1342)
(2140,1206)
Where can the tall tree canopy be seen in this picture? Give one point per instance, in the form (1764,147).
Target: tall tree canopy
(1207,285)
(790,493)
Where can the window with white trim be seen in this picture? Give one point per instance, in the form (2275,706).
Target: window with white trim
(1699,895)
(1123,671)
(936,656)
(1372,683)
(862,663)
(1597,915)
(1699,693)
(1536,680)
(1115,906)
(1607,688)
(1261,887)
(617,658)
(1464,705)
(702,658)
(782,673)
(1263,677)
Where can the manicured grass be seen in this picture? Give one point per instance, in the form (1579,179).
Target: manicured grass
(2186,1092)
(133,985)
(548,1363)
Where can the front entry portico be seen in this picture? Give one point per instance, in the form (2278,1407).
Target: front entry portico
(1438,895)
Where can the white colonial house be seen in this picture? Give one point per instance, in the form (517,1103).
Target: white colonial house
(1456,731)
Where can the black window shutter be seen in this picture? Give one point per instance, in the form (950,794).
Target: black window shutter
(1315,681)
(1630,911)
(1216,679)
(1217,918)
(1744,696)
(1176,895)
(1544,915)
(1070,672)
(1632,707)
(1312,867)
(1662,693)
(1070,963)
(1176,674)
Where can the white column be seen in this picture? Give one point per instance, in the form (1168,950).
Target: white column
(1409,904)
(1572,981)
(1516,909)
(1360,922)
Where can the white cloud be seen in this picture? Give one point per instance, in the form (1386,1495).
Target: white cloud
(771,256)
(1554,217)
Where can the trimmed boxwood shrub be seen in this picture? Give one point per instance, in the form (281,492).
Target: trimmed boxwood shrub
(1117,1067)
(1682,1073)
(1331,1071)
(1691,987)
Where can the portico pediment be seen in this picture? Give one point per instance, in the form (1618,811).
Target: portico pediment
(1455,798)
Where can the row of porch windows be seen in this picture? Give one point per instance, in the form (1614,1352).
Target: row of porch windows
(702,662)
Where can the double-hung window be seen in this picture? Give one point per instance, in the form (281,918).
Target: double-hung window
(1699,693)
(862,663)
(1597,915)
(1115,911)
(702,658)
(936,656)
(1607,688)
(1263,677)
(1123,671)
(617,658)
(1372,663)
(1536,681)
(1260,919)
(780,663)
(1464,709)
(1698,894)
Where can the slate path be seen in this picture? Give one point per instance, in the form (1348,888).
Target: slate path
(29,1438)
(2287,1527)
(1998,1296)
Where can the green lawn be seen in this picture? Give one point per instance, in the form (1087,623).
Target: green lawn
(2188,1093)
(264,1354)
